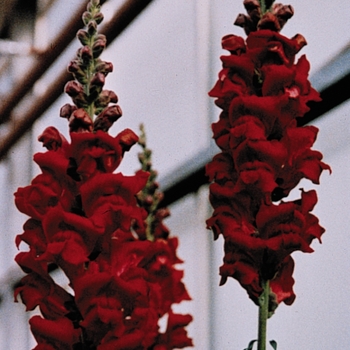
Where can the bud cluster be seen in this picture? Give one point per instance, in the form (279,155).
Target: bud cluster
(274,19)
(150,197)
(90,72)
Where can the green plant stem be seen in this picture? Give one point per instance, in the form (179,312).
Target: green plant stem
(263,315)
(262,6)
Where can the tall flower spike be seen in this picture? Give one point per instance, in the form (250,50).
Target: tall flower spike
(264,154)
(92,223)
(150,197)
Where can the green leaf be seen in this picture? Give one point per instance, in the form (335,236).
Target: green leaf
(273,344)
(250,345)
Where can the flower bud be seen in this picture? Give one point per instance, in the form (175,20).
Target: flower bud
(73,67)
(80,121)
(162,213)
(79,74)
(73,88)
(80,100)
(107,117)
(86,17)
(113,112)
(253,10)
(98,79)
(112,96)
(104,67)
(96,85)
(85,53)
(92,27)
(141,157)
(283,13)
(66,110)
(95,2)
(106,97)
(89,7)
(245,22)
(83,36)
(99,45)
(148,200)
(98,17)
(269,21)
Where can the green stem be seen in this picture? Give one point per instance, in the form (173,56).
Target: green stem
(90,73)
(262,6)
(263,315)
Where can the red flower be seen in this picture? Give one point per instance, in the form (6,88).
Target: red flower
(96,226)
(175,335)
(99,152)
(54,334)
(264,155)
(36,199)
(40,290)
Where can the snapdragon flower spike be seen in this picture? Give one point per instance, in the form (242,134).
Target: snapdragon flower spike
(262,92)
(87,220)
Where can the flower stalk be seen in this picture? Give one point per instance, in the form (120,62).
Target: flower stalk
(100,228)
(263,315)
(264,154)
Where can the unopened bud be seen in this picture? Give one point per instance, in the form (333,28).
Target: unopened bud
(98,46)
(73,88)
(253,10)
(98,80)
(85,53)
(78,73)
(104,67)
(86,17)
(92,27)
(162,213)
(98,17)
(66,110)
(269,21)
(107,117)
(73,67)
(148,200)
(107,96)
(113,112)
(83,36)
(80,121)
(283,13)
(245,22)
(80,100)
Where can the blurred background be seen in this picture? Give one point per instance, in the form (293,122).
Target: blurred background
(166,58)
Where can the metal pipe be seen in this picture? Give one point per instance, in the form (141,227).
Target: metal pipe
(113,28)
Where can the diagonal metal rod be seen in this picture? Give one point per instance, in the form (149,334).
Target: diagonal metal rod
(112,29)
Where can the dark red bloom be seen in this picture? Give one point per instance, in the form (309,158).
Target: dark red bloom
(54,334)
(264,155)
(102,229)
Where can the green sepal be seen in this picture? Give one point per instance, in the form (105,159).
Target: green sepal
(273,343)
(250,345)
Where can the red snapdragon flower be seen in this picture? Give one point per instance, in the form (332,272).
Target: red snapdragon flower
(264,154)
(94,225)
